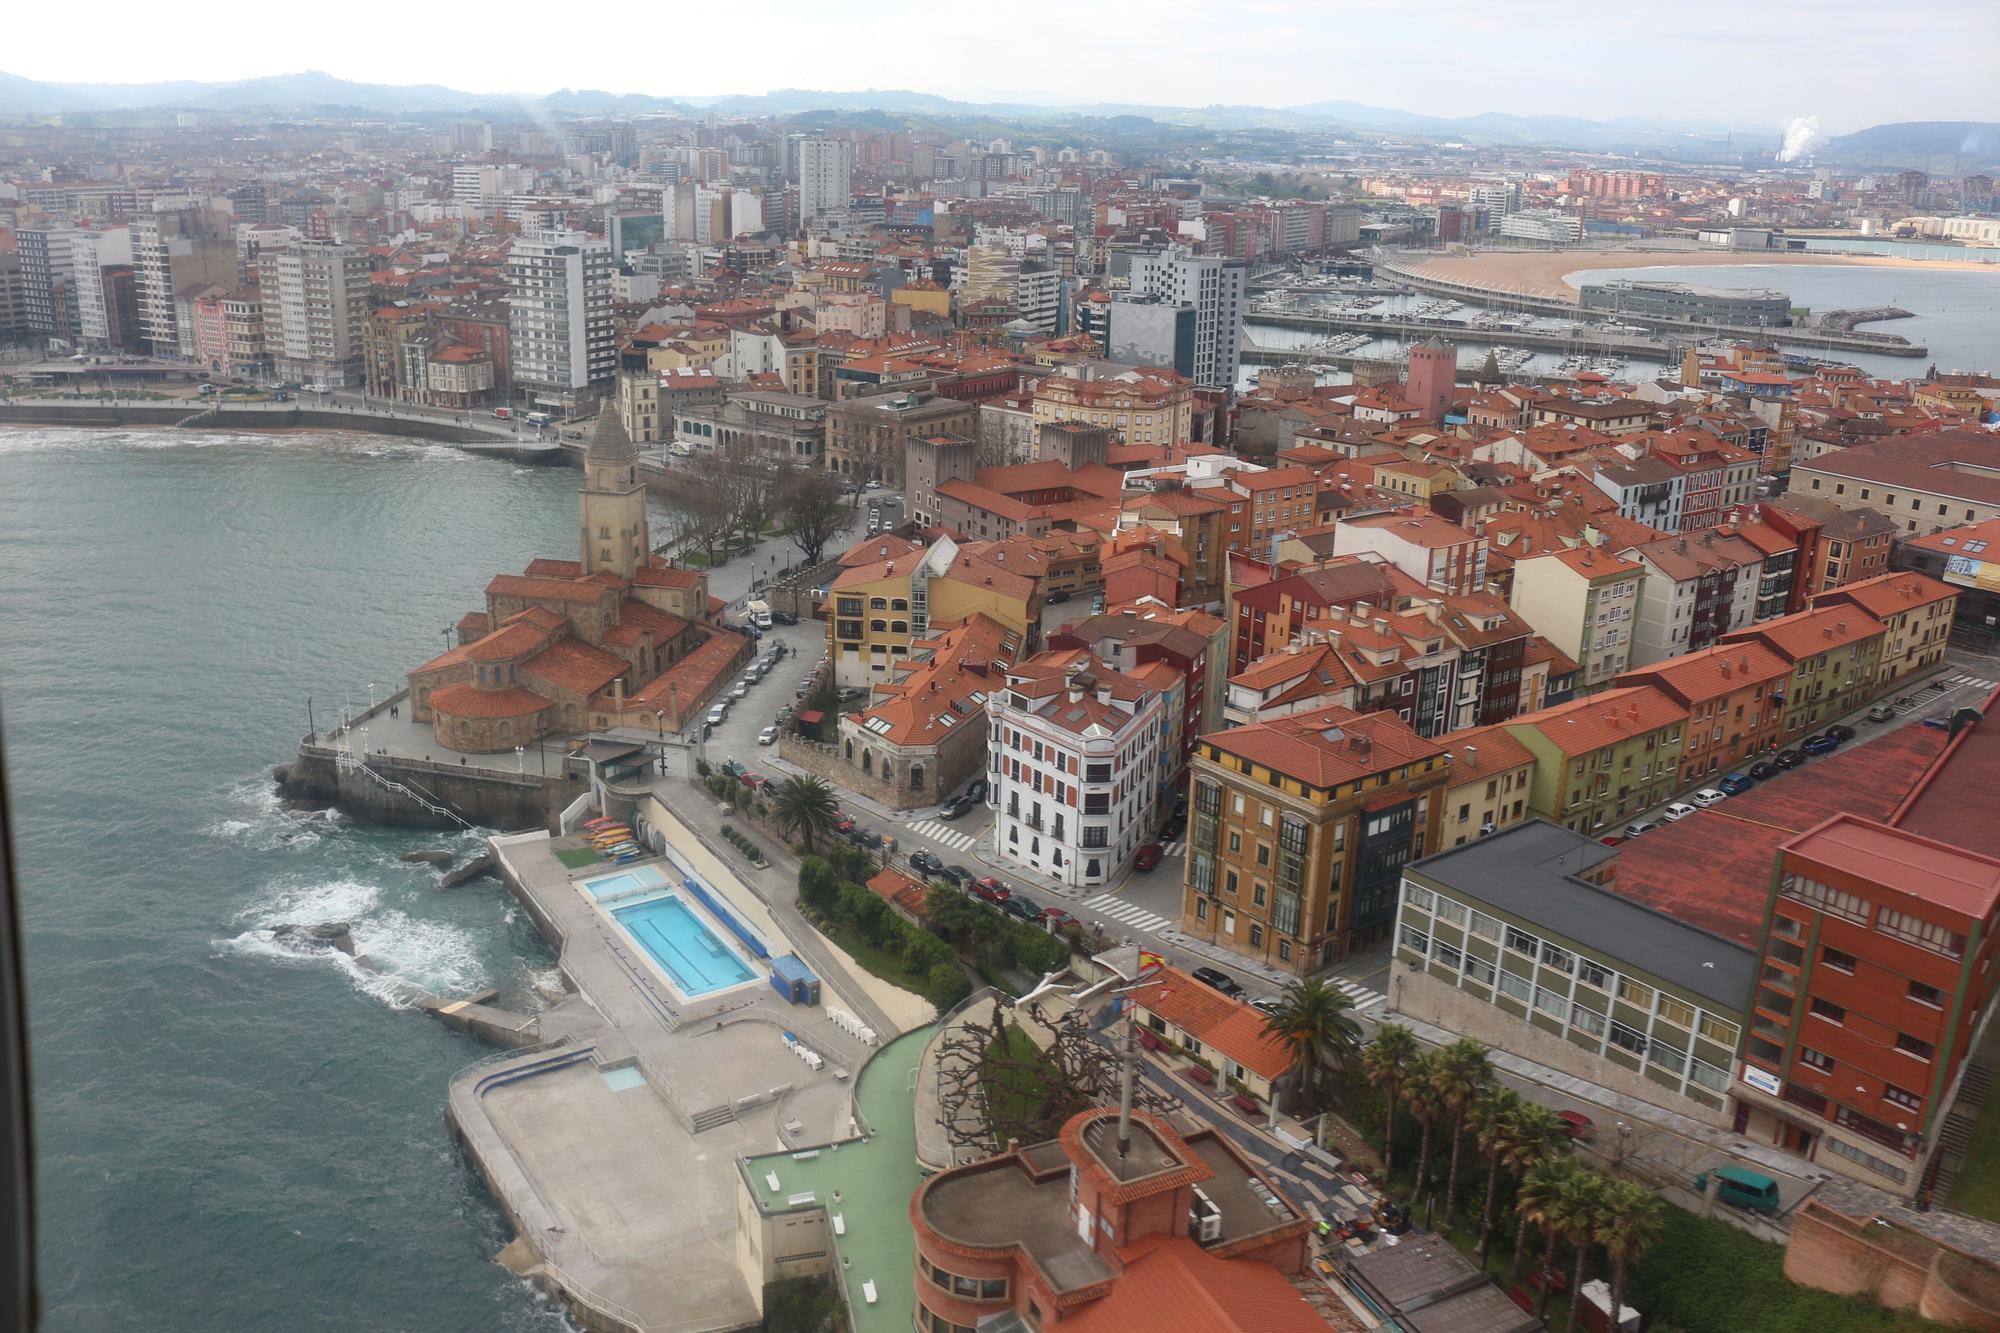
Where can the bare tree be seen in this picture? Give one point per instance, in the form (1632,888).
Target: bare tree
(812,506)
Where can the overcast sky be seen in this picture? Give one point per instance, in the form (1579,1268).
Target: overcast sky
(1852,63)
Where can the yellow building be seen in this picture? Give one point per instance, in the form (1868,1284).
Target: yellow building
(1144,405)
(1419,481)
(923,297)
(1916,614)
(1490,776)
(879,606)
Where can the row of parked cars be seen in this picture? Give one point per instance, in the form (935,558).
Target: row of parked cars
(993,892)
(1825,742)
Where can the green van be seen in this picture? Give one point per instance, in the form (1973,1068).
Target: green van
(1744,1189)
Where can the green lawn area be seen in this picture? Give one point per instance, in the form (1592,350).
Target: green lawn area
(576,858)
(884,963)
(1976,1189)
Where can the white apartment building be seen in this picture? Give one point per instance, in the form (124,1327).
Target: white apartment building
(1586,602)
(316,302)
(826,177)
(1547,228)
(90,252)
(559,320)
(1075,766)
(174,247)
(1215,286)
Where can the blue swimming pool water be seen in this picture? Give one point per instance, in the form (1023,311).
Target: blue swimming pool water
(686,949)
(642,877)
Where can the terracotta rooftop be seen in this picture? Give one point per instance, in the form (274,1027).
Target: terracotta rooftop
(1230,1026)
(1324,747)
(1605,718)
(471,701)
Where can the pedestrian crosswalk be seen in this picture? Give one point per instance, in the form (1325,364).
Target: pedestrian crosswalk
(1174,848)
(1364,999)
(1925,698)
(944,834)
(1127,914)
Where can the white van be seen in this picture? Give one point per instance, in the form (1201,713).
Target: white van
(758,613)
(539,418)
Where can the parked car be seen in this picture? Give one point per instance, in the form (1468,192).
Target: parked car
(1744,1189)
(1736,783)
(1942,721)
(1764,770)
(1841,732)
(717,714)
(741,690)
(975,790)
(864,837)
(1789,758)
(953,808)
(1267,1004)
(754,781)
(1708,796)
(768,736)
(925,863)
(1146,857)
(1058,597)
(785,617)
(1819,745)
(1025,909)
(1222,981)
(843,823)
(1577,1125)
(1638,826)
(990,890)
(1172,828)
(1676,812)
(1881,713)
(1055,918)
(956,874)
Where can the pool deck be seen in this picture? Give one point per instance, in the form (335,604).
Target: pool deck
(625,1199)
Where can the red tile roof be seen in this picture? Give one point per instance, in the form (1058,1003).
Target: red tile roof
(1806,633)
(1323,747)
(1604,718)
(471,701)
(900,890)
(1230,1026)
(1172,1285)
(574,665)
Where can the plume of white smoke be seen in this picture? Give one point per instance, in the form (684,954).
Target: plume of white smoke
(1802,138)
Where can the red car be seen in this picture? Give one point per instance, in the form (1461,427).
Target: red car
(844,824)
(990,890)
(1055,918)
(1579,1126)
(1146,857)
(754,781)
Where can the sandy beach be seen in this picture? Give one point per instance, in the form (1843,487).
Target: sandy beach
(1540,272)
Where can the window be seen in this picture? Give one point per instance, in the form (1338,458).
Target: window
(1485,926)
(1813,1059)
(1842,1148)
(1630,1038)
(1834,902)
(1929,995)
(1285,950)
(1720,1031)
(1715,1080)
(1635,993)
(1516,985)
(1448,954)
(1416,940)
(1916,1046)
(1256,936)
(1550,1002)
(1924,934)
(1522,942)
(1451,910)
(1586,1020)
(1478,969)
(1418,897)
(1677,1012)
(1828,1010)
(1560,959)
(1837,960)
(1201,909)
(1901,1097)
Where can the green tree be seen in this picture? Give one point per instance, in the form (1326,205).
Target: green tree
(819,884)
(1420,1094)
(1316,1024)
(1462,1074)
(1536,1135)
(948,984)
(1388,1062)
(806,809)
(1580,1217)
(1495,1118)
(1542,1205)
(950,913)
(823,699)
(1633,1217)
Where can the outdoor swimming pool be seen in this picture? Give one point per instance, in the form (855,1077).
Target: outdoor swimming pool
(627,884)
(684,948)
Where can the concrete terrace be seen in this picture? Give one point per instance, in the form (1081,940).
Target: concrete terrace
(867,1184)
(613,1151)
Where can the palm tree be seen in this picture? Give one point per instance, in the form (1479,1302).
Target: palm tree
(1540,1204)
(806,808)
(1462,1074)
(1581,1219)
(1632,1221)
(1315,1023)
(1538,1134)
(1388,1061)
(1495,1118)
(1425,1107)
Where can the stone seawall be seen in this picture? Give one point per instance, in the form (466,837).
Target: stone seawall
(502,801)
(249,418)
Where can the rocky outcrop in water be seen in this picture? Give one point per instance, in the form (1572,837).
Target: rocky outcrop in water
(479,867)
(325,935)
(439,859)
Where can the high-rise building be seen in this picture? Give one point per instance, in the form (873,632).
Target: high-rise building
(559,301)
(1214,285)
(173,248)
(826,172)
(315,300)
(48,276)
(91,252)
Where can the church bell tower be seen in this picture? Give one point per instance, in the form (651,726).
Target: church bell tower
(614,501)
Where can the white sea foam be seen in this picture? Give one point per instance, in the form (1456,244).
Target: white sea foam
(406,951)
(263,821)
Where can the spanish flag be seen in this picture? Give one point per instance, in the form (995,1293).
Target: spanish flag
(1149,961)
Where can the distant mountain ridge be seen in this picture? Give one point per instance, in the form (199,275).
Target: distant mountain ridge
(315,92)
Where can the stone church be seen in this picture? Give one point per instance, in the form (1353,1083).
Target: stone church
(617,638)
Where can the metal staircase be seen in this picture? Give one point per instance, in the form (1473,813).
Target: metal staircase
(350,762)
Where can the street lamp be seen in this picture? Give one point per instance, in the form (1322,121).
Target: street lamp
(520,759)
